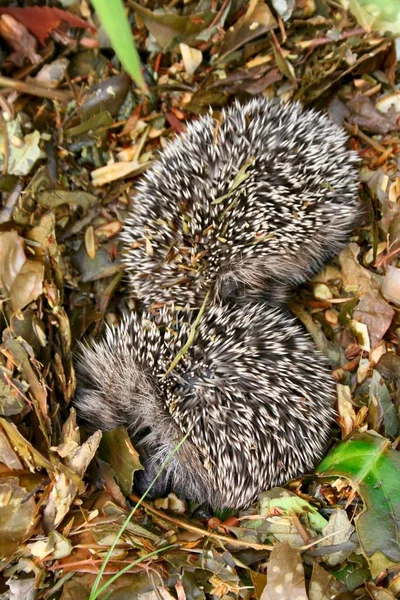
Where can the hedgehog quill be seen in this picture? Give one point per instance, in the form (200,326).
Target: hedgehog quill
(251,204)
(254,394)
(234,214)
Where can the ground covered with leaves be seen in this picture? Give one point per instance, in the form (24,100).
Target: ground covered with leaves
(75,135)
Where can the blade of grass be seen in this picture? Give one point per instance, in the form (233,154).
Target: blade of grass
(94,594)
(191,337)
(128,567)
(115,22)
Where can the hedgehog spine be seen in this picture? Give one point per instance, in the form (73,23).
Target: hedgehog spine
(253,393)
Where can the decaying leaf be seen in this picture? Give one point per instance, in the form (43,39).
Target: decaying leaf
(285,575)
(376,314)
(169,28)
(42,20)
(117,450)
(17,515)
(257,20)
(76,458)
(21,280)
(22,151)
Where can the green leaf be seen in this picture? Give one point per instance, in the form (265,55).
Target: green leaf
(114,20)
(381,15)
(373,468)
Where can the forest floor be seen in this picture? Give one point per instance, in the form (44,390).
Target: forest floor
(75,136)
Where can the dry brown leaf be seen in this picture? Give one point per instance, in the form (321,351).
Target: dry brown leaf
(285,575)
(21,280)
(376,314)
(16,515)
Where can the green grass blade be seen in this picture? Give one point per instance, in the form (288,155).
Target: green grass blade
(95,589)
(115,22)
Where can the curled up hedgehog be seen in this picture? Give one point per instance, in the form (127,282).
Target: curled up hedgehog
(251,203)
(234,214)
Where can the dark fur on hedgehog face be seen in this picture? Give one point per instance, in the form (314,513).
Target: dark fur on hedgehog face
(251,393)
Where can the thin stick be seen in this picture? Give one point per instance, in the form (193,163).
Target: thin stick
(35,90)
(202,532)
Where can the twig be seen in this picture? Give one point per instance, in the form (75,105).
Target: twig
(35,90)
(3,125)
(202,532)
(354,129)
(329,40)
(218,15)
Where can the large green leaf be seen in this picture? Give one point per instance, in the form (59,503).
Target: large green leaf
(114,20)
(373,468)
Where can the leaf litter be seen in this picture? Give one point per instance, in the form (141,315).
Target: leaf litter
(75,136)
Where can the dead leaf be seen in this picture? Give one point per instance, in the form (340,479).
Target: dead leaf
(391,285)
(168,27)
(65,489)
(285,575)
(347,413)
(17,516)
(23,150)
(324,585)
(116,449)
(11,403)
(31,457)
(356,279)
(41,21)
(20,40)
(20,279)
(257,20)
(338,532)
(364,114)
(376,314)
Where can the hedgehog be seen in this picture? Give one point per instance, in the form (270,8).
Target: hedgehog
(248,204)
(249,403)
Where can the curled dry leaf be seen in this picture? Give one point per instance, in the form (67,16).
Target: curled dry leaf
(115,171)
(347,414)
(64,489)
(257,20)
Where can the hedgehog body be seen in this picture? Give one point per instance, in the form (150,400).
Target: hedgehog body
(251,393)
(248,205)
